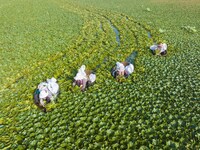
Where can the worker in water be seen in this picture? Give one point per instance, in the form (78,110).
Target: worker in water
(46,92)
(84,78)
(160,47)
(122,69)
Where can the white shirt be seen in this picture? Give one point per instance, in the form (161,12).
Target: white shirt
(162,48)
(81,73)
(48,89)
(120,66)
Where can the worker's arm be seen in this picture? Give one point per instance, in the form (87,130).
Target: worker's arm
(83,85)
(42,102)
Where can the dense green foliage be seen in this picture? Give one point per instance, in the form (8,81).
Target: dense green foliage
(30,32)
(156,107)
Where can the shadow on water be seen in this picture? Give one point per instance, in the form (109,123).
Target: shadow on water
(131,58)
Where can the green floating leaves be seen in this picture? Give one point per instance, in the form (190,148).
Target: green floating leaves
(155,108)
(189,29)
(161,30)
(148,9)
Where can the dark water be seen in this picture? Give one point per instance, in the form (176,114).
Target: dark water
(117,40)
(131,57)
(149,35)
(116,32)
(101,26)
(117,35)
(114,29)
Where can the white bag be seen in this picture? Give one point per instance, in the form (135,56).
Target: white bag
(53,87)
(81,73)
(92,77)
(129,68)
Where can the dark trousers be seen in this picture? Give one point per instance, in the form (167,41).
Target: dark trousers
(163,53)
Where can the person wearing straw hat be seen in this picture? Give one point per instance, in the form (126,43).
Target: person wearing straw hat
(46,91)
(84,78)
(160,47)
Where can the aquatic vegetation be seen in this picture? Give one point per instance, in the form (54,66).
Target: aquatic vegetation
(148,9)
(190,29)
(155,107)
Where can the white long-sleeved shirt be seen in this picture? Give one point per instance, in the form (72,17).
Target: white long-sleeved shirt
(163,47)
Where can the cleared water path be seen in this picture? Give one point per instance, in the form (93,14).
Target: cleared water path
(117,40)
(131,58)
(149,35)
(116,32)
(101,27)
